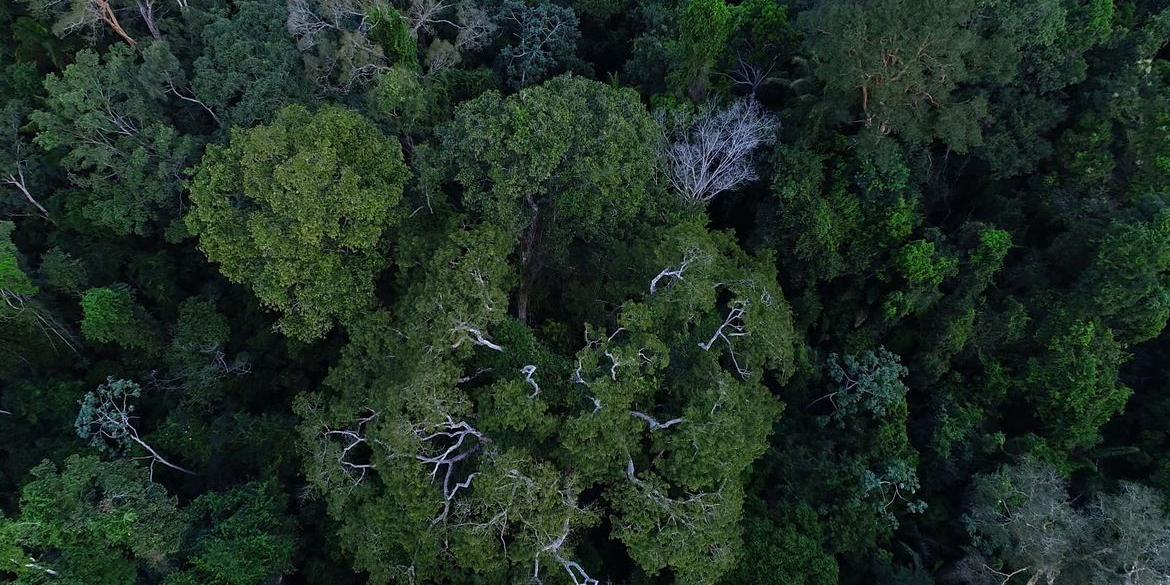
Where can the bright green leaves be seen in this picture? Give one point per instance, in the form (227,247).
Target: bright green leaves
(93,522)
(108,522)
(112,316)
(704,27)
(1074,385)
(13,280)
(237,537)
(298,209)
(920,264)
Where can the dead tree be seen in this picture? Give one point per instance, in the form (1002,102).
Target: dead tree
(732,327)
(467,333)
(653,422)
(83,13)
(528,372)
(714,154)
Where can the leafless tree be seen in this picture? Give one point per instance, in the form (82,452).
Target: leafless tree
(688,510)
(441,55)
(751,75)
(714,154)
(146,9)
(424,16)
(16,179)
(573,568)
(476,27)
(351,439)
(733,326)
(305,23)
(189,96)
(75,15)
(53,330)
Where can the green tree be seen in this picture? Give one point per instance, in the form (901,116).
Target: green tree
(123,155)
(568,161)
(238,537)
(91,522)
(298,211)
(248,69)
(112,316)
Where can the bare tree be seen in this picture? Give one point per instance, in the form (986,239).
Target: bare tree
(528,372)
(573,568)
(18,181)
(714,154)
(106,419)
(733,326)
(476,27)
(44,321)
(146,9)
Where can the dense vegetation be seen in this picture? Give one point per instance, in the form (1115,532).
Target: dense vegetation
(585,291)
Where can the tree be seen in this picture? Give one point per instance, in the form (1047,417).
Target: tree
(1074,385)
(74,15)
(106,420)
(568,160)
(112,316)
(704,27)
(545,41)
(871,383)
(89,522)
(713,154)
(297,210)
(249,68)
(237,537)
(18,168)
(123,155)
(1022,517)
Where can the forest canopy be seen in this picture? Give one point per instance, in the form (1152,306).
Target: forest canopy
(572,292)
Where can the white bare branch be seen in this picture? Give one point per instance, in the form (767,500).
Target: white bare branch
(528,372)
(653,422)
(468,333)
(733,326)
(714,155)
(573,568)
(676,272)
(444,445)
(351,439)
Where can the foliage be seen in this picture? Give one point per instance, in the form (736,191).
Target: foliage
(296,209)
(584,291)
